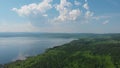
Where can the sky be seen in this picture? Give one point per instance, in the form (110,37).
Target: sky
(60,16)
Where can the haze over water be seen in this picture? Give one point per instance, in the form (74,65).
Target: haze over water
(18,48)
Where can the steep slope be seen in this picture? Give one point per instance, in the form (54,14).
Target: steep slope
(82,53)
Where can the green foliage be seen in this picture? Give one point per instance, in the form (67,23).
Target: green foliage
(98,52)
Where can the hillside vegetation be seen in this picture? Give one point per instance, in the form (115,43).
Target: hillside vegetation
(97,52)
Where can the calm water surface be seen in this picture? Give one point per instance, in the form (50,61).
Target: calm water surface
(18,48)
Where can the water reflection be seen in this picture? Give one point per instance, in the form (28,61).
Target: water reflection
(14,48)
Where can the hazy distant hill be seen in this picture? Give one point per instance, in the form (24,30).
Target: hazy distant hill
(56,35)
(37,34)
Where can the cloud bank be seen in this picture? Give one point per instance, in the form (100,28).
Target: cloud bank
(39,14)
(34,8)
(65,13)
(63,8)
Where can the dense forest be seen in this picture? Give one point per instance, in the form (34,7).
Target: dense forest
(91,52)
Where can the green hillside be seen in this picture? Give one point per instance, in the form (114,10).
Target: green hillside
(99,52)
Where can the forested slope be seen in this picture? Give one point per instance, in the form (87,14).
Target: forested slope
(89,52)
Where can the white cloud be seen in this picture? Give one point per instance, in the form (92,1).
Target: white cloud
(106,22)
(26,27)
(101,17)
(74,14)
(34,8)
(65,13)
(77,3)
(88,14)
(86,6)
(63,10)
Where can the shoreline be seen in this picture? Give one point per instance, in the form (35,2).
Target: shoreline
(91,48)
(37,54)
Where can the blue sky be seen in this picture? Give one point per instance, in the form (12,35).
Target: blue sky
(66,16)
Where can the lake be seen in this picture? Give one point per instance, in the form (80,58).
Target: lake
(18,48)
